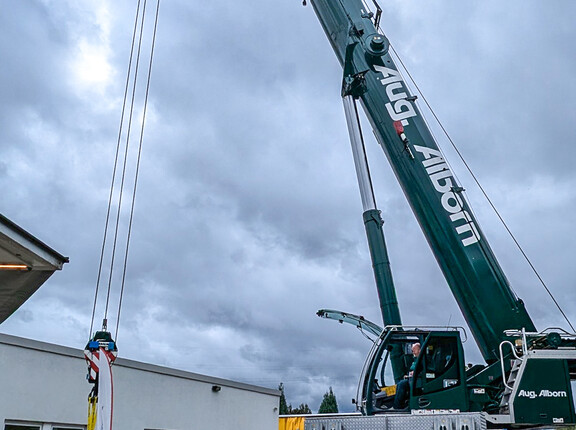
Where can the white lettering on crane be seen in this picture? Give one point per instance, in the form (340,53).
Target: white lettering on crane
(398,108)
(543,393)
(443,181)
(401,109)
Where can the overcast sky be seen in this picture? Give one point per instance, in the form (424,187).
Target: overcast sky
(248,216)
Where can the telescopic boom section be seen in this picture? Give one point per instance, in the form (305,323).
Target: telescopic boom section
(373,222)
(469,265)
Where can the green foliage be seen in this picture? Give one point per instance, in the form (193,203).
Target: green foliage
(286,409)
(329,404)
(301,410)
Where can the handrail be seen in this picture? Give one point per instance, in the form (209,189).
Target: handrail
(518,333)
(502,359)
(376,15)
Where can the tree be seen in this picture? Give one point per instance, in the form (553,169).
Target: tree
(284,410)
(329,404)
(301,410)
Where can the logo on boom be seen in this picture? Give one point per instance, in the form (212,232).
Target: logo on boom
(399,108)
(443,181)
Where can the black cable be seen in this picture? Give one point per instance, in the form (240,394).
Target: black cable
(114,170)
(137,169)
(113,257)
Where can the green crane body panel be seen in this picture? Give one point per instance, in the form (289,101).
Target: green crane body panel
(544,394)
(465,258)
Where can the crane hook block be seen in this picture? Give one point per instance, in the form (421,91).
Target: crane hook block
(101,344)
(102,339)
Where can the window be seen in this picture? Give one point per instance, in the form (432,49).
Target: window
(67,428)
(439,366)
(41,426)
(21,427)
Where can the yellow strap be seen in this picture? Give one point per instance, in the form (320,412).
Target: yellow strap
(92,401)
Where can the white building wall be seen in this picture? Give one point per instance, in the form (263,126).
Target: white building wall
(44,383)
(39,386)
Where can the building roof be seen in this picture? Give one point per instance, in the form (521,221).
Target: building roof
(51,348)
(37,260)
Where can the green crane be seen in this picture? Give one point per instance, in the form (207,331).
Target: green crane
(526,377)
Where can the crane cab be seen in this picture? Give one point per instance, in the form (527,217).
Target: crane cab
(399,376)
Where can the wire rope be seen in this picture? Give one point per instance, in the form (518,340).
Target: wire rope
(123,177)
(126,88)
(483,191)
(137,169)
(125,121)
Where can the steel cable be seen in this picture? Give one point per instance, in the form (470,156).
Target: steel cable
(137,169)
(114,169)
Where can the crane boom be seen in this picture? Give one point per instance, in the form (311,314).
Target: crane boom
(473,274)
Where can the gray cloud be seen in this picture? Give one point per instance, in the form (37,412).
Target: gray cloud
(248,218)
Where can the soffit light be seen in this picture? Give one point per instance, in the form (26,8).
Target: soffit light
(5,266)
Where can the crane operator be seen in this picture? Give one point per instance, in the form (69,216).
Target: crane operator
(403,387)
